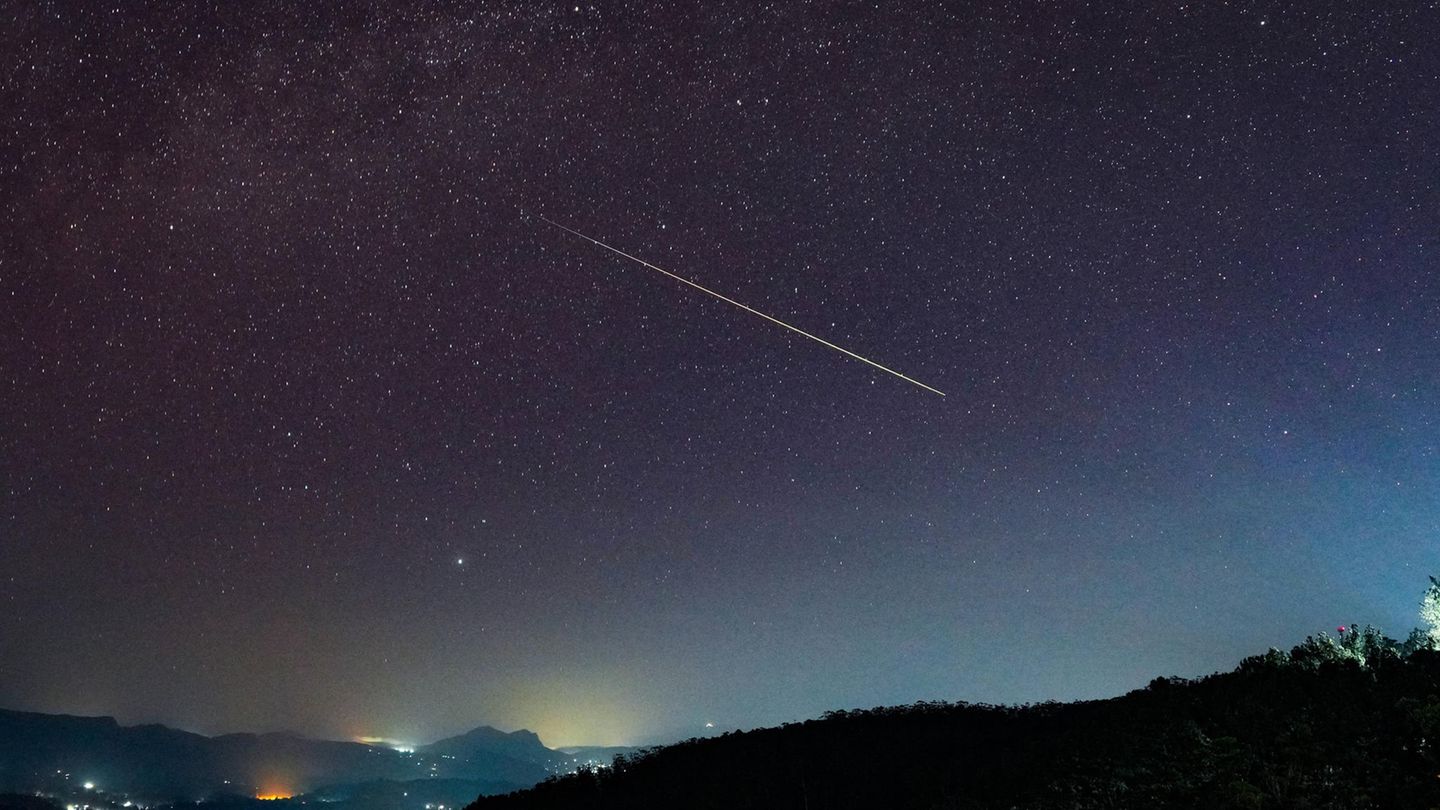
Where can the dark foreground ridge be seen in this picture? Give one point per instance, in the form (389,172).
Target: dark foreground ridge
(1352,722)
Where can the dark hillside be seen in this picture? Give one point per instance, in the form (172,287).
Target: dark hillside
(1352,723)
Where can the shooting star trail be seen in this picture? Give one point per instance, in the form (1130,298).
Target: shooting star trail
(750,310)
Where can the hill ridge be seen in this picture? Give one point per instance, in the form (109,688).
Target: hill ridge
(1346,723)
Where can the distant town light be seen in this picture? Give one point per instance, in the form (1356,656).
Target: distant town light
(89,785)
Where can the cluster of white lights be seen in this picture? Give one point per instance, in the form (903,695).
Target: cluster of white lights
(94,788)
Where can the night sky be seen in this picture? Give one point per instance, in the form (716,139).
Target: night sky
(308,422)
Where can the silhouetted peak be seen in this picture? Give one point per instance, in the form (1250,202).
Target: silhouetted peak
(105,721)
(522,745)
(490,733)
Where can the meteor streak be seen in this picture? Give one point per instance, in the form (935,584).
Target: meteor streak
(750,310)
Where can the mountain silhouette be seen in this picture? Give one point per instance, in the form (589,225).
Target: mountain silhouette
(522,745)
(58,753)
(1353,724)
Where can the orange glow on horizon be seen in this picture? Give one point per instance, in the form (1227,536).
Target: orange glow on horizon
(273,791)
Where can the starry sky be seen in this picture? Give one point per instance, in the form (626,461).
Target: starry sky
(308,422)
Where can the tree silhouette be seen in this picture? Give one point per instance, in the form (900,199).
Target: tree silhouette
(1430,612)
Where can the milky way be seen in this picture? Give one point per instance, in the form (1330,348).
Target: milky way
(303,425)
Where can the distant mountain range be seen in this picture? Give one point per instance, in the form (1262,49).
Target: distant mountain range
(59,754)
